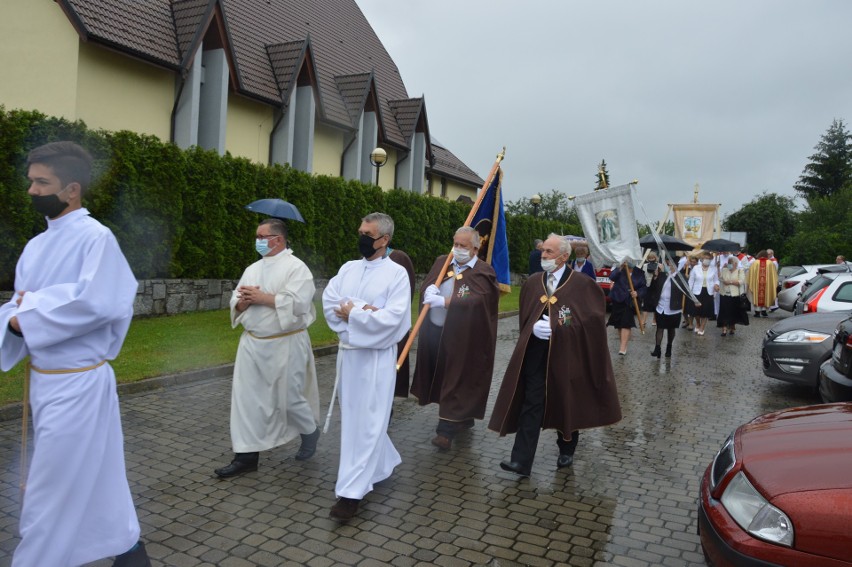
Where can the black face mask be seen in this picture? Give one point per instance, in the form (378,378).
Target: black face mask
(48,205)
(365,245)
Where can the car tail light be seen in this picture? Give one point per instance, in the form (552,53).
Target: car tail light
(811,306)
(790,283)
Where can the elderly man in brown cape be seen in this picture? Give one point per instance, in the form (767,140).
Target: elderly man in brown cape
(560,374)
(455,352)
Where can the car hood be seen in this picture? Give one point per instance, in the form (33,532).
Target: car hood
(819,322)
(800,460)
(798,450)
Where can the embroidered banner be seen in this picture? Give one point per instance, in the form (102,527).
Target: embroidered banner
(609,224)
(694,222)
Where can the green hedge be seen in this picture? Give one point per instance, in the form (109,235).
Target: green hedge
(181,213)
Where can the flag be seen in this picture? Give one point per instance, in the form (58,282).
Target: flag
(694,222)
(490,222)
(609,223)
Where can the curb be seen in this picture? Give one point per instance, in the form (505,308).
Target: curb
(15,411)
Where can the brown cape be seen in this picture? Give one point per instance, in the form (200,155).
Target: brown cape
(581,390)
(457,374)
(403,374)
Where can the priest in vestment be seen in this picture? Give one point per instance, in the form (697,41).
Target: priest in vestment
(274,397)
(560,374)
(70,313)
(762,283)
(455,349)
(368,305)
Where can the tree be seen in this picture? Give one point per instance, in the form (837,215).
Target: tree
(668,228)
(830,169)
(554,205)
(823,231)
(602,176)
(769,220)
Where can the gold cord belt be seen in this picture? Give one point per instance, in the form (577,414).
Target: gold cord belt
(278,336)
(26,412)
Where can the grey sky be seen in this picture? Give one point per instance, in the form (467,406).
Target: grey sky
(730,94)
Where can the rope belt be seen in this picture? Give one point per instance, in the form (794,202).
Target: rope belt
(278,336)
(25,418)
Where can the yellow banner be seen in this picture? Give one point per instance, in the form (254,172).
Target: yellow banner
(694,222)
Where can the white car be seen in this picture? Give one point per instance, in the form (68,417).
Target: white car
(791,278)
(828,293)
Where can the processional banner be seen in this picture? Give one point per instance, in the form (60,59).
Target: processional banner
(609,223)
(490,222)
(694,222)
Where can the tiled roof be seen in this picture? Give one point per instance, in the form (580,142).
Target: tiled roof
(448,165)
(266,40)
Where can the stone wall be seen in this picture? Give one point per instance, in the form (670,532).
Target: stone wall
(172,296)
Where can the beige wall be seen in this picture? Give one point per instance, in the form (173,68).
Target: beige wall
(387,171)
(38,58)
(328,147)
(116,92)
(455,190)
(249,128)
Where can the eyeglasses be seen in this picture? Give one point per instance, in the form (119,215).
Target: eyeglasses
(266,236)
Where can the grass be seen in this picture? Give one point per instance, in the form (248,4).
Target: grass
(168,345)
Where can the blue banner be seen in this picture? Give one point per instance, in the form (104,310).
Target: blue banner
(490,222)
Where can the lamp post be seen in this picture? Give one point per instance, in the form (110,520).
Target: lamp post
(378,158)
(535,200)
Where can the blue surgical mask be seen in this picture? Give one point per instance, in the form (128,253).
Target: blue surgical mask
(262,246)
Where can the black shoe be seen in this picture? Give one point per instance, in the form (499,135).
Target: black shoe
(515,467)
(136,557)
(656,352)
(565,460)
(236,468)
(344,509)
(669,351)
(309,445)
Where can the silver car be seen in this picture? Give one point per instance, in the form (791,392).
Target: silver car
(795,347)
(790,280)
(829,292)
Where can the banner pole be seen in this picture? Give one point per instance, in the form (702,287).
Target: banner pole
(416,329)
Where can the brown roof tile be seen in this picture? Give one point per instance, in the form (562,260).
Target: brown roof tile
(354,90)
(189,15)
(286,59)
(447,164)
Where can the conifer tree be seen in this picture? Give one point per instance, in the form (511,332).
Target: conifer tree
(830,169)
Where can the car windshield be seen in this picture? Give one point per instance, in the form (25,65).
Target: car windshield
(815,284)
(790,271)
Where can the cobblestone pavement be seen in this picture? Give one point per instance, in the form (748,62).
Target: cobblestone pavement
(629,500)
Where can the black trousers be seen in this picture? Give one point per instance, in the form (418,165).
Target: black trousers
(534,377)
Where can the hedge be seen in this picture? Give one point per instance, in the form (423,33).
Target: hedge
(181,213)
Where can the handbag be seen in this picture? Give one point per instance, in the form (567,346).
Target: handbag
(745,304)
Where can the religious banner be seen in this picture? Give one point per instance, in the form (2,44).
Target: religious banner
(694,223)
(609,224)
(490,222)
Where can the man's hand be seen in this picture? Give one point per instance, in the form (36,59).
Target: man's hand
(13,322)
(541,328)
(433,298)
(251,295)
(20,298)
(343,311)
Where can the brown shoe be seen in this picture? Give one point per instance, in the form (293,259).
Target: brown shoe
(344,509)
(442,443)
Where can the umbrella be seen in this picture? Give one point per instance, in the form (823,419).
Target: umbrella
(277,208)
(721,245)
(670,242)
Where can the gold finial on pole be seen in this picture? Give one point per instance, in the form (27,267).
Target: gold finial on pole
(635,182)
(502,155)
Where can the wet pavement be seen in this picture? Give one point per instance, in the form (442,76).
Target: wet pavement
(629,499)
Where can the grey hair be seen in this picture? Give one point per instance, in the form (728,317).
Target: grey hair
(564,243)
(383,222)
(474,236)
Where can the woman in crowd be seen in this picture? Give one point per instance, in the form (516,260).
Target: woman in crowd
(704,283)
(666,295)
(581,261)
(651,267)
(732,286)
(622,298)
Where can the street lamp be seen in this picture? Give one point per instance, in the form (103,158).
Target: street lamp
(378,158)
(535,200)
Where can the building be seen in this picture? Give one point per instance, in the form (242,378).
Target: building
(304,82)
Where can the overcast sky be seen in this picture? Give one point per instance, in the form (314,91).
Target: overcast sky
(730,94)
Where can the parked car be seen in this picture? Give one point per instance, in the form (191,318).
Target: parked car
(835,375)
(831,291)
(779,491)
(791,280)
(795,347)
(602,277)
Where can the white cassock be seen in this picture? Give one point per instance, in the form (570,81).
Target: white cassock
(75,314)
(275,396)
(366,365)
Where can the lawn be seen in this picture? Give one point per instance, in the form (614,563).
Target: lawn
(167,345)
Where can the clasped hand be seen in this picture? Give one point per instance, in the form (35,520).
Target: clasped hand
(541,328)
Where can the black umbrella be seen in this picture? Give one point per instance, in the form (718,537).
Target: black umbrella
(277,208)
(670,242)
(721,245)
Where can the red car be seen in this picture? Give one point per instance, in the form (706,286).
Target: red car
(602,277)
(779,492)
